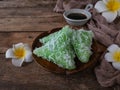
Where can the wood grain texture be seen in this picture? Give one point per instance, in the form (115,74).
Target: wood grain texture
(36,77)
(28,24)
(22,21)
(26,3)
(23,16)
(7,39)
(27,19)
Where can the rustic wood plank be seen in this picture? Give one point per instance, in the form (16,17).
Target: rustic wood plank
(44,23)
(31,77)
(10,38)
(26,3)
(30,19)
(23,12)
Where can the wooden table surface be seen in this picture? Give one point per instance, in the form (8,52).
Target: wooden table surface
(22,21)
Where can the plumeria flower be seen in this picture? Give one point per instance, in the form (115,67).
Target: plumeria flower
(19,53)
(110,9)
(113,55)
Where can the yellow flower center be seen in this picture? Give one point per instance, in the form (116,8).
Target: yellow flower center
(19,52)
(116,56)
(113,5)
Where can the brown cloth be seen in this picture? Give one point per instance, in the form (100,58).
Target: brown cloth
(63,5)
(106,74)
(104,32)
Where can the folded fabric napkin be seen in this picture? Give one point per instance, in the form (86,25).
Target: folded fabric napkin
(63,5)
(106,74)
(105,33)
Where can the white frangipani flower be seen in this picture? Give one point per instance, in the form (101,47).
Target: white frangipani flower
(110,9)
(113,56)
(19,53)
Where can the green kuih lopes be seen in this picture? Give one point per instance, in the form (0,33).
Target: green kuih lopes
(82,41)
(58,49)
(49,37)
(66,29)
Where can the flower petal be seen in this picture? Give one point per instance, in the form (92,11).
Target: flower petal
(106,1)
(17,62)
(116,65)
(9,53)
(28,57)
(100,6)
(108,57)
(19,45)
(27,47)
(119,13)
(109,16)
(113,48)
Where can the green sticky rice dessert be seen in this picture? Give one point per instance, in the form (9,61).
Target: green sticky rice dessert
(82,41)
(66,29)
(58,49)
(62,46)
(49,37)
